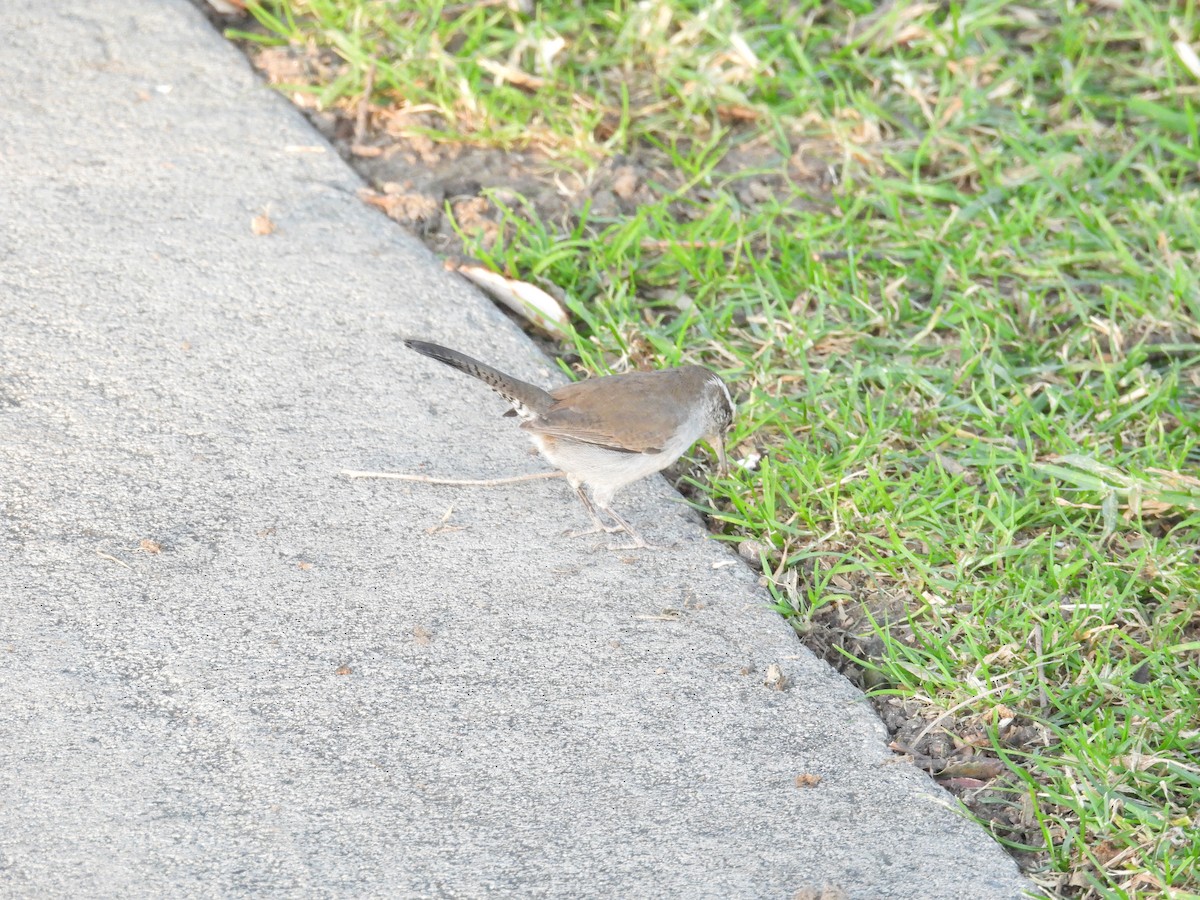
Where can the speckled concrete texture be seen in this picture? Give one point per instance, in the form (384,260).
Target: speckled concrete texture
(225,670)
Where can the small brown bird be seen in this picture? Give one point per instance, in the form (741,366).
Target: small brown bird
(605,433)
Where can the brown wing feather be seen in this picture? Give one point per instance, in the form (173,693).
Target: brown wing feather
(650,411)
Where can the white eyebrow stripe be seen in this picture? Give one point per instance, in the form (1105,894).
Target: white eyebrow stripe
(725,388)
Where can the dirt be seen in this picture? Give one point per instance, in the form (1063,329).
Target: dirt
(429,185)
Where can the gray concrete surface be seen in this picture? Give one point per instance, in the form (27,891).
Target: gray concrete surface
(521,716)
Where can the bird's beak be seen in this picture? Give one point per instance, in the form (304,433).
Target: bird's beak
(722,460)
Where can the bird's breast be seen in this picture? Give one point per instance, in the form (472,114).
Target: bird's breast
(599,466)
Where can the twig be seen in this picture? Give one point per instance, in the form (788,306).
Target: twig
(111,558)
(1043,697)
(865,256)
(683,245)
(462,482)
(364,105)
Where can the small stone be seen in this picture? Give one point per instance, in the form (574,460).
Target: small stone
(775,679)
(625,183)
(751,552)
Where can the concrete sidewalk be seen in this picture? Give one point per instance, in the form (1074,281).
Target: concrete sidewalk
(225,670)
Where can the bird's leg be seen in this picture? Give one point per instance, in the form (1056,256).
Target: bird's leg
(603,500)
(598,525)
(637,541)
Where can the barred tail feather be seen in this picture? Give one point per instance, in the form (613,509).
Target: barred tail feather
(528,400)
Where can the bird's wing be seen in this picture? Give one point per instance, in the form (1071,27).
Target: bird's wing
(583,412)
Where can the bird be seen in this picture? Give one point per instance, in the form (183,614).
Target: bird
(607,432)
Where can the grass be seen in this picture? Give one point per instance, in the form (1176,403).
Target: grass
(949,256)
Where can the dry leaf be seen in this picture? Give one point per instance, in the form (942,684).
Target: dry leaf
(548,48)
(344,670)
(521,297)
(262,224)
(512,75)
(982,768)
(407,208)
(1188,57)
(775,679)
(738,114)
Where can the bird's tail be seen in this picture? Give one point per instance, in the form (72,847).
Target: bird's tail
(528,400)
